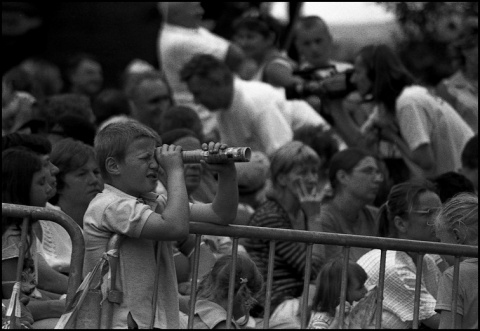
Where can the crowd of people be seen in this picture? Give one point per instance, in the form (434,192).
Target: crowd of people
(358,148)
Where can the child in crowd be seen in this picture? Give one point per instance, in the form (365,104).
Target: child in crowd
(24,182)
(325,306)
(212,295)
(457,223)
(129,158)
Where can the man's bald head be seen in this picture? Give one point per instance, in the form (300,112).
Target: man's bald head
(186,14)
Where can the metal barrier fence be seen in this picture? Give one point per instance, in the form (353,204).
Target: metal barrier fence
(273,235)
(73,230)
(310,238)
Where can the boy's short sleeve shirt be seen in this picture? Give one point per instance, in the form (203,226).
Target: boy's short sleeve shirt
(114,211)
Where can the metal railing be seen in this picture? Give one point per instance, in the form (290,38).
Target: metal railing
(310,238)
(274,236)
(73,230)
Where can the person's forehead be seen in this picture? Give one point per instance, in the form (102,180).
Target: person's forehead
(140,145)
(428,199)
(153,86)
(367,162)
(318,30)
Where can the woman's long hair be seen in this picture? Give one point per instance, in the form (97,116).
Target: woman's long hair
(18,167)
(387,73)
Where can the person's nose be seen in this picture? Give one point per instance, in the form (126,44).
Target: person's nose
(154,164)
(54,169)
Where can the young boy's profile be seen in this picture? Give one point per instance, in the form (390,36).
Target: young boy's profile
(130,156)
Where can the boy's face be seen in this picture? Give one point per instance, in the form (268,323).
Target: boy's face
(138,172)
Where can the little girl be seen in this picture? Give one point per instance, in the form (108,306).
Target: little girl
(325,306)
(457,223)
(24,182)
(212,295)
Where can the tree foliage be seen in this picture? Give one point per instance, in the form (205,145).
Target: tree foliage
(428,29)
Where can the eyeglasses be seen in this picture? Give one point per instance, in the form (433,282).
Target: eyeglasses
(427,212)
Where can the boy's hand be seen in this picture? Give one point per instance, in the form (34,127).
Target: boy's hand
(215,148)
(169,157)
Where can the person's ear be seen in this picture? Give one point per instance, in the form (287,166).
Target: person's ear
(401,224)
(460,235)
(112,166)
(342,176)
(282,180)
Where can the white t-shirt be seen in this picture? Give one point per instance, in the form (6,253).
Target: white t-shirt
(177,45)
(255,118)
(426,119)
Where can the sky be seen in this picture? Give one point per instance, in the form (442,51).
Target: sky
(339,12)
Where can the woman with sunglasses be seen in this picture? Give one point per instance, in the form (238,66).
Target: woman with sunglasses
(408,214)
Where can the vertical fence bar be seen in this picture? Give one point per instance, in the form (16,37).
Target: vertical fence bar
(381,285)
(306,286)
(22,250)
(268,296)
(231,286)
(456,277)
(343,292)
(418,289)
(193,291)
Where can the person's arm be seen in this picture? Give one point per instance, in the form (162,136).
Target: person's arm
(49,279)
(280,74)
(172,224)
(433,322)
(446,319)
(235,58)
(46,309)
(223,209)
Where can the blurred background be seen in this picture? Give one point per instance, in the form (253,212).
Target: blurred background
(118,32)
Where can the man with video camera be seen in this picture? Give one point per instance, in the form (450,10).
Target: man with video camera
(323,77)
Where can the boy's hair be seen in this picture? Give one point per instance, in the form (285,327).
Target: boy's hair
(265,25)
(207,67)
(452,183)
(460,211)
(329,283)
(470,153)
(293,153)
(309,22)
(69,155)
(114,139)
(18,167)
(36,143)
(400,202)
(248,280)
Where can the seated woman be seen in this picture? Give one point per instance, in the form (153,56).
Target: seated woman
(355,180)
(292,203)
(78,181)
(408,214)
(24,182)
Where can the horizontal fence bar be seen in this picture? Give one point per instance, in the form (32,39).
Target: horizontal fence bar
(242,231)
(72,228)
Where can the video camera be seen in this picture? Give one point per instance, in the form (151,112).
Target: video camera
(321,81)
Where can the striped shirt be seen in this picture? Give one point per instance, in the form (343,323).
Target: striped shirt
(290,257)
